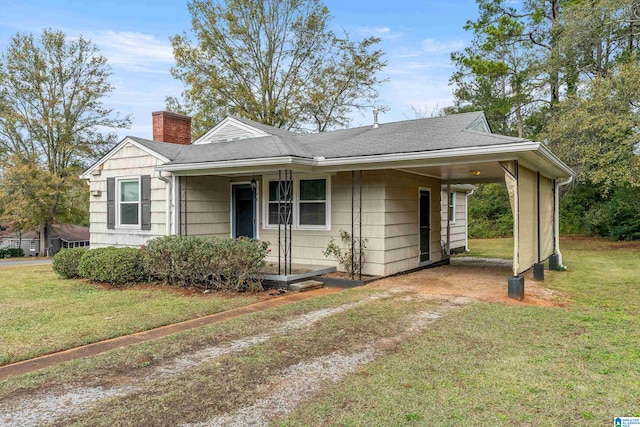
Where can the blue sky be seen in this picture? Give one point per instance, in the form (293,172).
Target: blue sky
(418,38)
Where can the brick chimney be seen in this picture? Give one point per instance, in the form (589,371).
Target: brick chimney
(171,127)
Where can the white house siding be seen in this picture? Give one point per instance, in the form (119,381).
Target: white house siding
(458,229)
(401,219)
(128,161)
(208,206)
(308,245)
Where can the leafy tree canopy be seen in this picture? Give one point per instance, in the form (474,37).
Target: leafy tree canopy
(52,122)
(273,61)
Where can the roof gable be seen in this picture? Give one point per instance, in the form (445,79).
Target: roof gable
(230,129)
(480,125)
(127,140)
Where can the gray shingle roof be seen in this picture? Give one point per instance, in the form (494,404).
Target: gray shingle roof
(251,148)
(408,136)
(437,133)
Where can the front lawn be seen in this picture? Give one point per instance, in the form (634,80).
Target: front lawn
(506,365)
(478,363)
(40,313)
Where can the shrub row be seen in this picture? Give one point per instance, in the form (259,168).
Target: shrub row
(11,252)
(118,266)
(65,263)
(204,262)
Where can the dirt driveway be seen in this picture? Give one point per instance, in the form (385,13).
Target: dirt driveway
(480,279)
(255,372)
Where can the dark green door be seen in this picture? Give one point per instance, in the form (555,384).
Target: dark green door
(425,224)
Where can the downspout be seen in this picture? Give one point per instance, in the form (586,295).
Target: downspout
(466,218)
(449,220)
(168,198)
(556,218)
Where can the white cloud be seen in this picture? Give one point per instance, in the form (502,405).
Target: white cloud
(438,46)
(383,32)
(135,51)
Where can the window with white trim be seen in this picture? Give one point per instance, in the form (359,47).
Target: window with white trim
(452,207)
(278,197)
(32,246)
(128,209)
(310,199)
(312,203)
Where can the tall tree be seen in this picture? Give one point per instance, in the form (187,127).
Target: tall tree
(27,191)
(596,133)
(52,112)
(273,61)
(496,72)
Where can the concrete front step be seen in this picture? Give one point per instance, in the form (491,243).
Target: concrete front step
(307,285)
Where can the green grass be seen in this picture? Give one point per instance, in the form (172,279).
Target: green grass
(491,248)
(484,364)
(41,313)
(136,358)
(234,381)
(505,365)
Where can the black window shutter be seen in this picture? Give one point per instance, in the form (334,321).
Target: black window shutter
(111,203)
(146,202)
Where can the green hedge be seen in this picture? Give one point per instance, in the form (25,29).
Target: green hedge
(206,262)
(585,210)
(117,266)
(65,263)
(11,252)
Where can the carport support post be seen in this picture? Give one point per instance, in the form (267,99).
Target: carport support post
(516,288)
(538,268)
(538,272)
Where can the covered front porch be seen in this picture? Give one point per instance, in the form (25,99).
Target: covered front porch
(390,210)
(394,215)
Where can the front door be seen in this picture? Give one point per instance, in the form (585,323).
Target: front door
(425,225)
(244,211)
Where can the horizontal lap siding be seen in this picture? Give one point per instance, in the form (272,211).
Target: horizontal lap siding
(208,206)
(129,161)
(308,245)
(401,220)
(458,230)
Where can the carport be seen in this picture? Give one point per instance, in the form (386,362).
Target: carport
(533,176)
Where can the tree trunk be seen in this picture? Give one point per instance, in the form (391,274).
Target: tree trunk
(45,238)
(518,108)
(554,75)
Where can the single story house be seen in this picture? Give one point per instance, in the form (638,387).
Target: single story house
(297,191)
(62,236)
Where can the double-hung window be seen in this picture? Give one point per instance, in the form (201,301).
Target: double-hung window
(129,202)
(312,204)
(306,199)
(280,197)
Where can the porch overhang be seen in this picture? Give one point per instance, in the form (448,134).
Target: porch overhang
(450,165)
